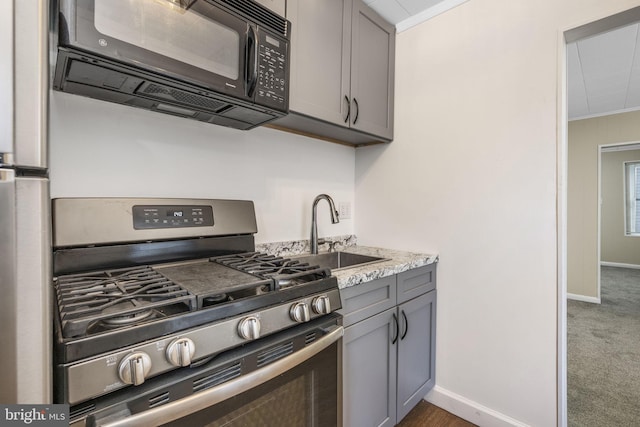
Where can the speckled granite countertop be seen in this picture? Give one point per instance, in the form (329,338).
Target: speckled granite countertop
(394,261)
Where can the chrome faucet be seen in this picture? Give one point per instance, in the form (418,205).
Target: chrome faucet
(314,221)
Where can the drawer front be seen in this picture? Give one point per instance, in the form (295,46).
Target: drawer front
(413,283)
(367,299)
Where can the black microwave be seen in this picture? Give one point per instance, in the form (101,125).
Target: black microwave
(219,61)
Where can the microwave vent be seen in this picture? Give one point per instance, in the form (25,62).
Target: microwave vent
(169,94)
(261,14)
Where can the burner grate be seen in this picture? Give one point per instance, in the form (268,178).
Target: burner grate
(98,301)
(284,271)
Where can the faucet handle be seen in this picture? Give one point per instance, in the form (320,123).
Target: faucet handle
(332,244)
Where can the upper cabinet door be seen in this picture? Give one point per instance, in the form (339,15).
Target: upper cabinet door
(372,72)
(320,58)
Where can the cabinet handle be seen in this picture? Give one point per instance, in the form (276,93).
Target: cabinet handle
(346,119)
(395,322)
(406,325)
(355,101)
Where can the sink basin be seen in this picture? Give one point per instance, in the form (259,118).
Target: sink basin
(339,260)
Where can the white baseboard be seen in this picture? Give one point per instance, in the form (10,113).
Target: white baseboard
(619,264)
(583,298)
(470,410)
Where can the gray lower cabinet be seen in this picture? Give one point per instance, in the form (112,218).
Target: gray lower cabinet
(342,72)
(388,347)
(416,357)
(369,372)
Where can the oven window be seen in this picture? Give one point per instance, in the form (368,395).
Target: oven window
(165,28)
(306,395)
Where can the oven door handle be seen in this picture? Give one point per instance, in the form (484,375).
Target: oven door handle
(197,402)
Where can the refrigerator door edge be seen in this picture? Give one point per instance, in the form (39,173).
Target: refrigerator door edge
(31,83)
(8,318)
(25,278)
(34,300)
(6,82)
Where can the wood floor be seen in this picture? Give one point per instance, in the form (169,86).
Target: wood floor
(427,415)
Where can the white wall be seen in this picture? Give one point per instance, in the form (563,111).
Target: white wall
(103,149)
(471,175)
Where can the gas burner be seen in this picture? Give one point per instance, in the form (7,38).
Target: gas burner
(132,319)
(251,262)
(117,322)
(283,271)
(277,267)
(94,302)
(216,299)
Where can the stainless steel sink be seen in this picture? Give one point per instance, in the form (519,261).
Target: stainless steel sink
(339,260)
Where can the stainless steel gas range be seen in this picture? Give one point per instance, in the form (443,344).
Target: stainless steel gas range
(166,315)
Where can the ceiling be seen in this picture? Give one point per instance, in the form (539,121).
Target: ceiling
(603,70)
(604,73)
(405,14)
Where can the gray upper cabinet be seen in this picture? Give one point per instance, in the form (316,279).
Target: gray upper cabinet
(342,71)
(320,58)
(372,72)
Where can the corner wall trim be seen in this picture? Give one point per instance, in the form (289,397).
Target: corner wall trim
(619,264)
(583,298)
(470,410)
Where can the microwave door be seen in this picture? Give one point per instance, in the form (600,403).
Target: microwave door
(202,41)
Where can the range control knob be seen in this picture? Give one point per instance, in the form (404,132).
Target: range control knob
(321,305)
(134,368)
(180,352)
(300,312)
(249,328)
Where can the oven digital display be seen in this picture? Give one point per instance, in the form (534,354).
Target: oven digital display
(157,216)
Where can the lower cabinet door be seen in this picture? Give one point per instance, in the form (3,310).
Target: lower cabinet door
(416,351)
(369,371)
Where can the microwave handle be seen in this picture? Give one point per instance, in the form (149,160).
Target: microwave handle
(251,62)
(197,402)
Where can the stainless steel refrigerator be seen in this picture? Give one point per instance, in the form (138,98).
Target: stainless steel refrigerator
(25,249)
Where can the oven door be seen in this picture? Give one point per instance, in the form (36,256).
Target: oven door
(302,388)
(191,40)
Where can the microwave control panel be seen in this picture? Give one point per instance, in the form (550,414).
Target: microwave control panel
(272,87)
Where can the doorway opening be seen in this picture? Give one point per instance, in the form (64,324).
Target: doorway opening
(566,236)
